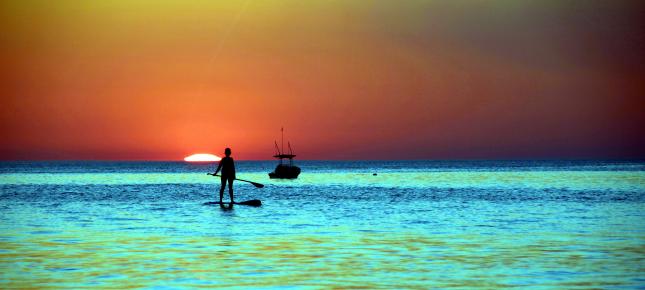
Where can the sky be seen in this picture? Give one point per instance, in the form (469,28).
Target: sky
(160,80)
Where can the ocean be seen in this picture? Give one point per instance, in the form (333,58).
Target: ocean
(415,224)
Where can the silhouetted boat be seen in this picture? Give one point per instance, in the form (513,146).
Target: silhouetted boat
(285,170)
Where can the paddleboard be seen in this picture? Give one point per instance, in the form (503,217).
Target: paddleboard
(253,202)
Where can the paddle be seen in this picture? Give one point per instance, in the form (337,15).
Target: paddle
(258,185)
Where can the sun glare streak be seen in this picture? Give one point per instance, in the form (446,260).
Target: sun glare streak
(202,157)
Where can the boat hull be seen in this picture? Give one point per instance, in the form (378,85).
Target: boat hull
(285,172)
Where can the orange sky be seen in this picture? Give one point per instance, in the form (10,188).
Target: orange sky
(161,80)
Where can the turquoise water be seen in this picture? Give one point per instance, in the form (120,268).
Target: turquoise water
(416,224)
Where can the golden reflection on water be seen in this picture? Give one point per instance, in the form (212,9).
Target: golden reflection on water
(597,246)
(352,260)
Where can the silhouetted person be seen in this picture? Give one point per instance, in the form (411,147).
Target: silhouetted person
(227,165)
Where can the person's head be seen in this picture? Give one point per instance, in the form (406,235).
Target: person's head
(227,152)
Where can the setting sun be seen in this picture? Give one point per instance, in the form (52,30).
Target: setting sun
(202,157)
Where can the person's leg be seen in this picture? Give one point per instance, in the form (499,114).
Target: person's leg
(230,188)
(221,190)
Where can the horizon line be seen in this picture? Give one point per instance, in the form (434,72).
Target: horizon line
(263,160)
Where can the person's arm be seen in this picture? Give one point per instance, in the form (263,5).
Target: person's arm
(218,167)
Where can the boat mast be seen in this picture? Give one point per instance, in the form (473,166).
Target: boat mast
(277,149)
(290,153)
(282,142)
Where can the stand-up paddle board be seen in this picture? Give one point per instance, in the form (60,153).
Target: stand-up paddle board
(253,202)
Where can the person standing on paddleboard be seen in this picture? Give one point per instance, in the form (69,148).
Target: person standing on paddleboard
(227,165)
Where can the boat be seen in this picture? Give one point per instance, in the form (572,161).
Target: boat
(285,169)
